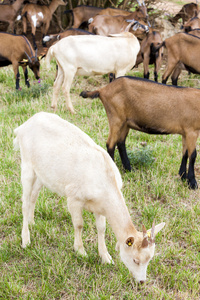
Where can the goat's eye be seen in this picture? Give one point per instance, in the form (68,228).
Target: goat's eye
(136,261)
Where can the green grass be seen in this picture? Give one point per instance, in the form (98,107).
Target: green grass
(49,268)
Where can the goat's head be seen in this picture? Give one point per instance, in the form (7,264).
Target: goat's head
(142,10)
(193,23)
(136,252)
(33,63)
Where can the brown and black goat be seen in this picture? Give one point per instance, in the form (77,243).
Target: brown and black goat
(38,15)
(17,50)
(148,56)
(181,48)
(188,11)
(8,13)
(153,108)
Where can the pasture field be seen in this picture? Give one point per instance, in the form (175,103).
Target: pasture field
(49,268)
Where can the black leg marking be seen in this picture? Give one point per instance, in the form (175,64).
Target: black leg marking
(17,80)
(191,175)
(111,151)
(26,78)
(124,156)
(182,170)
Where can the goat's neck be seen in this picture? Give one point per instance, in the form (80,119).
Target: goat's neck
(17,4)
(119,219)
(53,6)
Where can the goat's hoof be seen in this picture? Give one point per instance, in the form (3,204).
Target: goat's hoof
(107,259)
(193,185)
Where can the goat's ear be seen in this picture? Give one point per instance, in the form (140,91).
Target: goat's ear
(157,228)
(130,241)
(23,62)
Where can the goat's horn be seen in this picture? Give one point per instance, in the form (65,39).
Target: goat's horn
(36,54)
(145,242)
(139,3)
(29,59)
(130,25)
(143,2)
(152,238)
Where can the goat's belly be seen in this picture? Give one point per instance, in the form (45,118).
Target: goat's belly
(84,72)
(4,62)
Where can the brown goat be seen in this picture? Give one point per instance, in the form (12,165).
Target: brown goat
(188,11)
(153,108)
(148,56)
(82,13)
(17,50)
(106,25)
(8,13)
(184,48)
(180,66)
(37,15)
(193,23)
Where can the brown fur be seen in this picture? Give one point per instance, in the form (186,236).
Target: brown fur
(30,10)
(139,104)
(147,56)
(8,13)
(188,11)
(13,49)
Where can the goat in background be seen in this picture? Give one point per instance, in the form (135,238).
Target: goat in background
(17,50)
(38,15)
(8,13)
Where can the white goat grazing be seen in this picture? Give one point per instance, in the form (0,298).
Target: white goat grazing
(91,55)
(60,156)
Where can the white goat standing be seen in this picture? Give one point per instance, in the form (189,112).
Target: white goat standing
(91,55)
(60,156)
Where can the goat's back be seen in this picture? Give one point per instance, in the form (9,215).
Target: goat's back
(64,158)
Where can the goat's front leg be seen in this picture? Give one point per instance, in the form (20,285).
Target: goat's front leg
(191,139)
(75,210)
(17,75)
(168,71)
(102,249)
(26,76)
(191,175)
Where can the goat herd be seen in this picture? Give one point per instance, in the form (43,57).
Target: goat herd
(111,45)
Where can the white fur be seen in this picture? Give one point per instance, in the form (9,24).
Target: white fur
(60,156)
(91,55)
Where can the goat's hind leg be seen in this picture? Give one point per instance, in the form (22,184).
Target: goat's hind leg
(75,210)
(28,178)
(34,195)
(56,87)
(68,78)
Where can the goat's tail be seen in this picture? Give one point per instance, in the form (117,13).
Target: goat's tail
(49,57)
(92,95)
(157,47)
(48,38)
